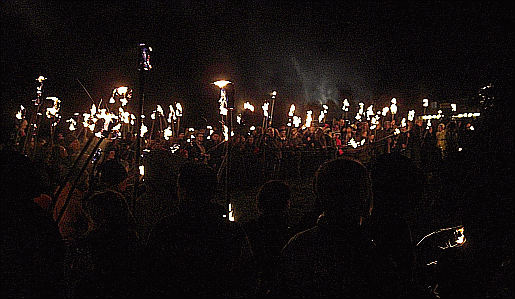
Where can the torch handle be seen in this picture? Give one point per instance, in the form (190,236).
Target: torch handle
(69,174)
(76,181)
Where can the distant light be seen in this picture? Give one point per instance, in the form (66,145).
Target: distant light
(221,83)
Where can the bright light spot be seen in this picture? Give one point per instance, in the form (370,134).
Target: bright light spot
(221,83)
(248,106)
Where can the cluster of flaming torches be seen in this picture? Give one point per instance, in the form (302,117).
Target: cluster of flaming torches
(112,120)
(97,120)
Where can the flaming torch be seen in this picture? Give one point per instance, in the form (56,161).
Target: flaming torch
(178,113)
(291,113)
(265,113)
(309,119)
(345,109)
(321,117)
(53,114)
(393,108)
(144,68)
(223,111)
(223,95)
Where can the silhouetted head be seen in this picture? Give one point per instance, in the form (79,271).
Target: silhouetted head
(197,182)
(274,197)
(342,187)
(397,183)
(113,173)
(109,208)
(161,168)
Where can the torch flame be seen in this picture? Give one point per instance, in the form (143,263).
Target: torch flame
(54,110)
(370,111)
(321,116)
(385,110)
(248,106)
(309,119)
(411,115)
(179,109)
(297,121)
(167,133)
(265,109)
(292,110)
(345,105)
(19,115)
(221,83)
(393,106)
(460,236)
(73,123)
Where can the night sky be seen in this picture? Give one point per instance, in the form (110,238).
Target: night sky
(311,53)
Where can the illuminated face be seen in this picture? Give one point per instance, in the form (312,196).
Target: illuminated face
(215,137)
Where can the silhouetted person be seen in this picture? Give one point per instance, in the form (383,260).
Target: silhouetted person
(335,259)
(397,185)
(106,262)
(196,252)
(32,250)
(113,176)
(160,197)
(270,231)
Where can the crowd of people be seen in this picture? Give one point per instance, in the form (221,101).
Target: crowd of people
(272,153)
(93,235)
